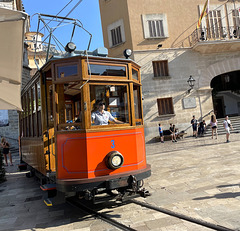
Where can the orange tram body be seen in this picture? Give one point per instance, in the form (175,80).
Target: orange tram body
(63,145)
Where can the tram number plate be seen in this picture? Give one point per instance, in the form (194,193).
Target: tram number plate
(117,183)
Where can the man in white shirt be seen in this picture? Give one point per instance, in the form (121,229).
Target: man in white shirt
(227,125)
(101,117)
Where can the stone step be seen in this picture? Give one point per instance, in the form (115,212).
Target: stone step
(235,121)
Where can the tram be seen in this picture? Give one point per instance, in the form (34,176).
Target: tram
(60,142)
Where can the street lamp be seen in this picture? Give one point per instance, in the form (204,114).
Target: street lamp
(191,82)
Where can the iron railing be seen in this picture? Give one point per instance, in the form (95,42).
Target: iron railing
(209,34)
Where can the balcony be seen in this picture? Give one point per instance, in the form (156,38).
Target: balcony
(213,40)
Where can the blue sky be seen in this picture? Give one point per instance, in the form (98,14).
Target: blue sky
(87,12)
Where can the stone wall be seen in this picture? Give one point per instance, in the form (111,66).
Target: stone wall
(182,63)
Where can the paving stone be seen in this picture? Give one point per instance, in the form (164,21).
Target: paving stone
(195,177)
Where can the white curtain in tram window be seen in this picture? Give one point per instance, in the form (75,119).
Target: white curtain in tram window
(11,56)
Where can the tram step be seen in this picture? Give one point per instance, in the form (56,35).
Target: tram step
(48,202)
(47,187)
(56,199)
(22,166)
(50,189)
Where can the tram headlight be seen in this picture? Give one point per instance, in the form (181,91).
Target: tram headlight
(127,53)
(114,160)
(70,47)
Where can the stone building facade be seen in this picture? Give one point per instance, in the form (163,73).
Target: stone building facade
(170,49)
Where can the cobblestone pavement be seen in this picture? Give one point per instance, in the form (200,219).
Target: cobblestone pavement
(194,177)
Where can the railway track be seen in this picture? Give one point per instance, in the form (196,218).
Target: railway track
(105,218)
(181,216)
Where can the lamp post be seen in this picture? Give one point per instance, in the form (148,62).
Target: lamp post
(191,82)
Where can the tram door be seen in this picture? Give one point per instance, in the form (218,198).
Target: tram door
(48,127)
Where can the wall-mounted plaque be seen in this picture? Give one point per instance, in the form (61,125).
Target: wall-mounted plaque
(189,102)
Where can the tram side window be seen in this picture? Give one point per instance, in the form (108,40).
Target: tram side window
(115,100)
(137,105)
(68,70)
(23,117)
(39,120)
(68,106)
(29,113)
(34,115)
(107,70)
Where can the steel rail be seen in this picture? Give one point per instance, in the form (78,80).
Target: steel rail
(74,202)
(182,216)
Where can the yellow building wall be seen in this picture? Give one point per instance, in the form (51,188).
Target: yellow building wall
(182,17)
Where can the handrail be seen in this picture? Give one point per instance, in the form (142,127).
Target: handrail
(212,33)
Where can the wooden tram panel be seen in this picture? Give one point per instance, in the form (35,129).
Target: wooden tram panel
(80,153)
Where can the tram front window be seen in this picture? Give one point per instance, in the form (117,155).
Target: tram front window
(68,106)
(109,104)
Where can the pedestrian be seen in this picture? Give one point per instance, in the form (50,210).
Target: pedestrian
(201,128)
(5,145)
(227,125)
(172,129)
(161,133)
(194,123)
(213,124)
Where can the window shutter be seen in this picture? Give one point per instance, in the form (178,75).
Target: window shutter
(165,106)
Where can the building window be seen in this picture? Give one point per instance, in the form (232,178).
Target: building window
(215,22)
(236,18)
(116,34)
(155,25)
(165,106)
(160,68)
(155,28)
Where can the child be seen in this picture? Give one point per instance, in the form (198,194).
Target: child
(160,133)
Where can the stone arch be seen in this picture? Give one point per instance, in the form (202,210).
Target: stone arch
(224,66)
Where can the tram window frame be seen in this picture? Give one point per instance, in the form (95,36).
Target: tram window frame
(74,100)
(138,74)
(74,77)
(39,108)
(107,77)
(23,115)
(29,127)
(34,107)
(93,105)
(139,118)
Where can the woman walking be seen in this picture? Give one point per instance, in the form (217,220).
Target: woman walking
(213,124)
(5,145)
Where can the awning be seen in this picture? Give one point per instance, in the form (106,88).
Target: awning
(11,57)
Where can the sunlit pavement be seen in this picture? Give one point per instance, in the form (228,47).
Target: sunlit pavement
(196,177)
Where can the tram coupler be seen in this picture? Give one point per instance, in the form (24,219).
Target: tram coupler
(144,193)
(136,185)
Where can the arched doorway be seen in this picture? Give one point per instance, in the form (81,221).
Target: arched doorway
(226,94)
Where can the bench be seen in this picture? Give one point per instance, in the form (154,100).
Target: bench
(167,135)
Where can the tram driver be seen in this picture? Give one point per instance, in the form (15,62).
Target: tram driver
(101,117)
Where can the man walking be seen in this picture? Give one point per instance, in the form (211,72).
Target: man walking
(227,125)
(194,126)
